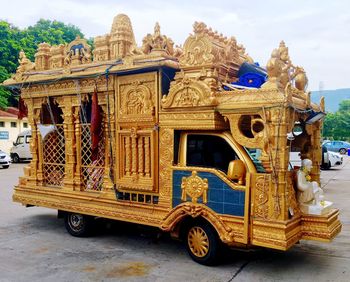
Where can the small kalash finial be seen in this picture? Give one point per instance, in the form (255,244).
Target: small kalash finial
(157,29)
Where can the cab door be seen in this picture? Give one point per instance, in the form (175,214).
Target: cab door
(26,149)
(20,147)
(206,157)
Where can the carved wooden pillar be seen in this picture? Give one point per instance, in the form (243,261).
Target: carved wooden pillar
(279,152)
(68,127)
(166,147)
(40,162)
(77,131)
(30,171)
(110,142)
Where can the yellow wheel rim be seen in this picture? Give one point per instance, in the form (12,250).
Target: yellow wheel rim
(198,241)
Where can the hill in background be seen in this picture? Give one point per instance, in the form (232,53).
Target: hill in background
(332,97)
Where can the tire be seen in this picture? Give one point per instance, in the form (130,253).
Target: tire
(342,151)
(202,243)
(5,166)
(78,225)
(16,158)
(326,166)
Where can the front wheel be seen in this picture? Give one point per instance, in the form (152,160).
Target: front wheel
(202,243)
(15,158)
(78,225)
(327,166)
(342,151)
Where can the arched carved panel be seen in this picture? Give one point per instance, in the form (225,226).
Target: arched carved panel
(188,93)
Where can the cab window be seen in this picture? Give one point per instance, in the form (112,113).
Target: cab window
(28,139)
(209,151)
(20,140)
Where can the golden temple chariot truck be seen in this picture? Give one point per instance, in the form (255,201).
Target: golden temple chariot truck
(164,136)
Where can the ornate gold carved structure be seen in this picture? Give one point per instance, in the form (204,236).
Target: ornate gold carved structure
(148,95)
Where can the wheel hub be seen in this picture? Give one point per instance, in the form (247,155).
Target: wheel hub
(198,241)
(76,221)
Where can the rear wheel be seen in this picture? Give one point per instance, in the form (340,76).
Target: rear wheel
(202,243)
(78,225)
(342,151)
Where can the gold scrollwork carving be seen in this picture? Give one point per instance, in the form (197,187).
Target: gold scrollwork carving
(188,93)
(138,100)
(261,197)
(197,51)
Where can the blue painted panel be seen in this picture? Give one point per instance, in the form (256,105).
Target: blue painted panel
(221,198)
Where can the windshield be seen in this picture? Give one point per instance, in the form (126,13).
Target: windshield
(254,154)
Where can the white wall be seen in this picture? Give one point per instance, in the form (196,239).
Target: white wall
(6,144)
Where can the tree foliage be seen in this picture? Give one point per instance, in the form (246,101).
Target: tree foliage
(13,40)
(337,125)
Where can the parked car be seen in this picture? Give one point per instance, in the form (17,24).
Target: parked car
(20,150)
(5,160)
(325,163)
(337,146)
(335,158)
(329,159)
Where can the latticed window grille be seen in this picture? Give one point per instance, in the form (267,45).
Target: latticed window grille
(92,172)
(54,157)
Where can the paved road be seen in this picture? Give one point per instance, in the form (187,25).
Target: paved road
(34,246)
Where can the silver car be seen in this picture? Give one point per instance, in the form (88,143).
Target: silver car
(5,160)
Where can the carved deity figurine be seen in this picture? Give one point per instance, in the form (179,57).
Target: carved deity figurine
(286,64)
(310,195)
(24,63)
(309,191)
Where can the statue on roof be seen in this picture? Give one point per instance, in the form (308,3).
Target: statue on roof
(25,65)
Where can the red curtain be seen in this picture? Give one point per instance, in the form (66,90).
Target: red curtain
(22,109)
(96,126)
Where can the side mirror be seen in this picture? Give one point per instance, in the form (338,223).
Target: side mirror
(298,130)
(236,171)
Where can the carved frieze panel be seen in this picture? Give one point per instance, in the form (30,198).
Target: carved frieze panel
(261,195)
(66,87)
(189,92)
(137,97)
(197,51)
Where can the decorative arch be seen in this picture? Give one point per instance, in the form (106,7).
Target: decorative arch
(198,210)
(188,93)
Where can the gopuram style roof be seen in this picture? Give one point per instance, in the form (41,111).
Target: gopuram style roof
(208,59)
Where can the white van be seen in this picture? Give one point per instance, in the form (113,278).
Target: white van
(20,150)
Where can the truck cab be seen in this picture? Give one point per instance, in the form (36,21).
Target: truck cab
(21,147)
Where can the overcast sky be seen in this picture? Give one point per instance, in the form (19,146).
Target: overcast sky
(316,32)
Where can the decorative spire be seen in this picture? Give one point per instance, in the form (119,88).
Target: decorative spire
(157,42)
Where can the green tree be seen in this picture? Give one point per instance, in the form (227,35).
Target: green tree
(13,40)
(337,125)
(5,94)
(9,46)
(52,32)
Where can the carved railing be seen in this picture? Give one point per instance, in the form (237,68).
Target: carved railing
(54,157)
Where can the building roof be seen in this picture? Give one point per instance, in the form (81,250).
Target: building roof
(7,114)
(12,110)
